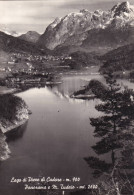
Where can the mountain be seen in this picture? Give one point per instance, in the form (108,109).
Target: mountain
(91,30)
(121,59)
(109,37)
(81,59)
(9,43)
(12,33)
(8,31)
(30,36)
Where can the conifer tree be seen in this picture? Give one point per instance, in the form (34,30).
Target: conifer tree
(115,128)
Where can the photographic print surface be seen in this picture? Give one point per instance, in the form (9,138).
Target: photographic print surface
(66,97)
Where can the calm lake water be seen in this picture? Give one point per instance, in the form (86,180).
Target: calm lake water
(56,138)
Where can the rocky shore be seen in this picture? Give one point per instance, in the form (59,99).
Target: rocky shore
(92,90)
(14,113)
(6,90)
(4,149)
(22,116)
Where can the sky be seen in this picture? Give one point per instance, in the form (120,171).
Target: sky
(22,16)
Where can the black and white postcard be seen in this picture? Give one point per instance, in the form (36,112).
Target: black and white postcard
(66,97)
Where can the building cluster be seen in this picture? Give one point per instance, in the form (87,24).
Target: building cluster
(16,57)
(28,62)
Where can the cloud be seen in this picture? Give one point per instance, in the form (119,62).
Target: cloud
(22,12)
(30,12)
(91,5)
(27,13)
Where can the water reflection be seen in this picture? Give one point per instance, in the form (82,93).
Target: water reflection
(16,133)
(52,142)
(72,84)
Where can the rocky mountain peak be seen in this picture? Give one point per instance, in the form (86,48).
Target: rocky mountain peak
(123,7)
(98,12)
(73,28)
(84,11)
(56,21)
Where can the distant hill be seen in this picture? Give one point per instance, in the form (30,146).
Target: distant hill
(81,59)
(110,37)
(9,43)
(120,59)
(30,36)
(8,31)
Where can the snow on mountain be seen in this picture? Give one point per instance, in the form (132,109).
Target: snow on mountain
(74,27)
(12,33)
(123,14)
(55,23)
(123,8)
(6,30)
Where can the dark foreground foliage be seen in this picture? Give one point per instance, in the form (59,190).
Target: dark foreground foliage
(94,87)
(9,105)
(115,133)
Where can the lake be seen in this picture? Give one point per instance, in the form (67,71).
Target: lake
(55,140)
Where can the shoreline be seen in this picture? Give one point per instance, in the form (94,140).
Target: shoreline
(13,126)
(5,90)
(82,96)
(20,114)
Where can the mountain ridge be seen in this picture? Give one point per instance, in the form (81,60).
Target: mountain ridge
(120,59)
(9,43)
(74,28)
(30,36)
